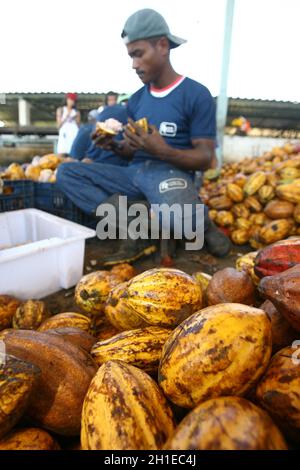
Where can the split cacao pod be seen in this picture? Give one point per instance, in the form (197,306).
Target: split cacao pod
(277,257)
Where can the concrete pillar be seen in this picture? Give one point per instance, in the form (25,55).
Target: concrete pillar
(24,112)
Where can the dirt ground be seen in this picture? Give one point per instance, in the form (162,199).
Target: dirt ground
(188,261)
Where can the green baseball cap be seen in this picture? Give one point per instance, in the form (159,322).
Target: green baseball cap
(146,24)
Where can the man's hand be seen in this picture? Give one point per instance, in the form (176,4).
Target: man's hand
(152,143)
(104,141)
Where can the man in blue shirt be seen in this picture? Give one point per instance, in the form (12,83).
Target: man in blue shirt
(181,114)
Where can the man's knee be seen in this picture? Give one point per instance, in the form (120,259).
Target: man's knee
(64,172)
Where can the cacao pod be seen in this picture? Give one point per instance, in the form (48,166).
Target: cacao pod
(223,349)
(240,180)
(277,209)
(277,257)
(124,271)
(124,409)
(119,313)
(278,391)
(213,214)
(32,172)
(76,336)
(93,289)
(163,297)
(282,333)
(247,428)
(8,307)
(289,173)
(17,381)
(254,183)
(140,348)
(50,162)
(253,204)
(246,263)
(258,219)
(240,237)
(14,172)
(272,179)
(240,210)
(289,192)
(235,193)
(283,290)
(224,218)
(29,439)
(220,203)
(67,320)
(266,193)
(230,285)
(30,315)
(243,224)
(275,231)
(66,372)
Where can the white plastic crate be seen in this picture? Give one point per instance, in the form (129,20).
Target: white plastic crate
(39,253)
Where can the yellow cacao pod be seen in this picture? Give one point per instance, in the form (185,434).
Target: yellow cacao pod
(224,218)
(246,263)
(118,313)
(266,193)
(67,320)
(289,192)
(222,349)
(220,203)
(240,210)
(141,348)
(258,219)
(29,439)
(124,409)
(275,231)
(247,428)
(254,183)
(253,204)
(213,214)
(240,237)
(289,173)
(235,193)
(14,172)
(163,296)
(272,179)
(30,315)
(240,180)
(32,172)
(50,162)
(242,223)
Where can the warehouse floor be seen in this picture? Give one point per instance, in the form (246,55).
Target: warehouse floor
(188,261)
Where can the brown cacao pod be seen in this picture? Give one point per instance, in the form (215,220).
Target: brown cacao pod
(30,315)
(283,290)
(76,336)
(277,257)
(223,349)
(230,285)
(17,381)
(297,213)
(254,183)
(278,391)
(277,209)
(247,428)
(124,409)
(282,333)
(29,439)
(57,399)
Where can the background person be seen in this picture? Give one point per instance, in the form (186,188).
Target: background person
(68,122)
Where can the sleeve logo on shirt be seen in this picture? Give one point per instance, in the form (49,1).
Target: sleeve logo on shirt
(172,183)
(168,129)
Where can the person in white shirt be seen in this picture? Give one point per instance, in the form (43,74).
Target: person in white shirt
(68,123)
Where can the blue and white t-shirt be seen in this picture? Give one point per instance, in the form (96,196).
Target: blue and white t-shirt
(183,111)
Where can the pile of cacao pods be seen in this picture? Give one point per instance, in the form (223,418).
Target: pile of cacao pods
(256,201)
(158,360)
(42,169)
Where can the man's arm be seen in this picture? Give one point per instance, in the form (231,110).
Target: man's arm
(200,157)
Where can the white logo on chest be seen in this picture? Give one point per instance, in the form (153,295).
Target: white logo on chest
(168,129)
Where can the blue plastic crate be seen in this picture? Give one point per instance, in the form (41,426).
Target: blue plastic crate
(17,195)
(49,198)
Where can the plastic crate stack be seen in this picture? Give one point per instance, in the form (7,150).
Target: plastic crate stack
(24,194)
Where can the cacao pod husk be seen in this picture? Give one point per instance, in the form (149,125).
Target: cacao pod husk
(277,257)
